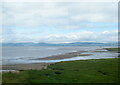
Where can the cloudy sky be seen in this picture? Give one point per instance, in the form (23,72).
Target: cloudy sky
(59,22)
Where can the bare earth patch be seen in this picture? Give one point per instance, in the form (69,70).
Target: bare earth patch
(25,66)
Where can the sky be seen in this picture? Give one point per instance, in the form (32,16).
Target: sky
(59,22)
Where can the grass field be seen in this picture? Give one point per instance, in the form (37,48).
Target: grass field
(81,71)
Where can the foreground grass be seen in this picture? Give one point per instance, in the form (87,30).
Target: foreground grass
(81,71)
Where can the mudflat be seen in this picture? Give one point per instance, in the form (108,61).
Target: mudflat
(39,66)
(63,56)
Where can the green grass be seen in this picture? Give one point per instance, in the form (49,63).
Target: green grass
(113,49)
(81,71)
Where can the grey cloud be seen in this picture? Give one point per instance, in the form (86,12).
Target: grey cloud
(37,14)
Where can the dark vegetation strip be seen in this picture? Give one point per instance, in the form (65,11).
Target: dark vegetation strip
(113,49)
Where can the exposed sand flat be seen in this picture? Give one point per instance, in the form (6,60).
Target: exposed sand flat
(42,65)
(64,56)
(25,66)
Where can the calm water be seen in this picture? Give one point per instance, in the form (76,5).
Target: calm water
(23,54)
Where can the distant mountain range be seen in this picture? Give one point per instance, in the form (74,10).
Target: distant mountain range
(63,44)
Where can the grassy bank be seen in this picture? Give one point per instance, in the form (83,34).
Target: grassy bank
(113,49)
(81,71)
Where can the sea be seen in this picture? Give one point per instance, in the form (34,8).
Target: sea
(29,54)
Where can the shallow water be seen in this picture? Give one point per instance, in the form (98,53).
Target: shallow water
(24,54)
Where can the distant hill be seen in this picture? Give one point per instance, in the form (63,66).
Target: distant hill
(63,44)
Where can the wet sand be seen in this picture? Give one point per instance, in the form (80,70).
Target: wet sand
(42,65)
(64,56)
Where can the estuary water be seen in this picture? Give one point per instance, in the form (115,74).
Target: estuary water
(27,54)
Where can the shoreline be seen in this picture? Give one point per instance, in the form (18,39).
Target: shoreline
(94,71)
(64,56)
(39,66)
(35,66)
